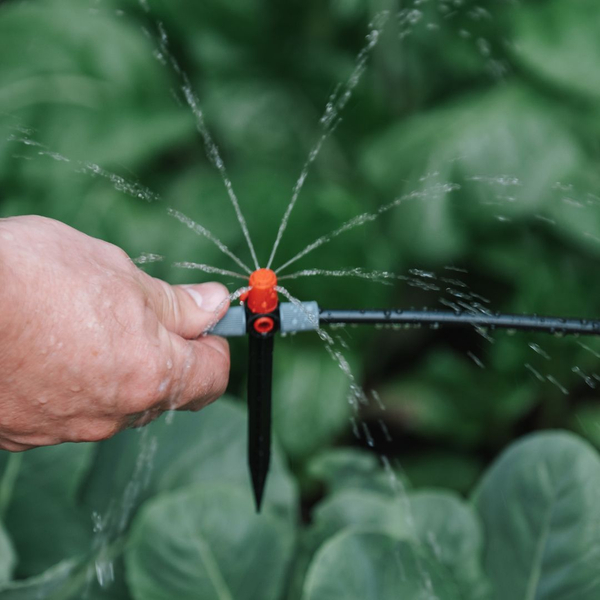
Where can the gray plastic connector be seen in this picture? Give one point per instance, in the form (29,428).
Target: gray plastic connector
(295,318)
(292,318)
(233,324)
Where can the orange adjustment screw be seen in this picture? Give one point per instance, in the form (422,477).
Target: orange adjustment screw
(262,297)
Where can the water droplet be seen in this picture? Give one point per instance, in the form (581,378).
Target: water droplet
(97,522)
(555,382)
(476,360)
(539,351)
(484,47)
(368,436)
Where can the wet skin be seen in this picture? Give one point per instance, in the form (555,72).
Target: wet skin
(91,344)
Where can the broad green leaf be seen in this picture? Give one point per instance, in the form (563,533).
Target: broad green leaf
(52,584)
(178,450)
(339,469)
(541,519)
(349,507)
(67,580)
(559,41)
(375,566)
(506,148)
(219,454)
(114,96)
(439,521)
(52,44)
(311,402)
(42,517)
(361,509)
(207,542)
(450,529)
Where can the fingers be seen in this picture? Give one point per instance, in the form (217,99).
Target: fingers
(189,310)
(201,372)
(198,370)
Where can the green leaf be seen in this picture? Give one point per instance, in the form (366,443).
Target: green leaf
(367,510)
(340,469)
(43,519)
(63,41)
(541,519)
(207,543)
(178,450)
(114,96)
(440,522)
(559,41)
(374,566)
(450,529)
(506,148)
(312,402)
(50,585)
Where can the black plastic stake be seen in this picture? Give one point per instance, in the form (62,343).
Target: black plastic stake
(260,376)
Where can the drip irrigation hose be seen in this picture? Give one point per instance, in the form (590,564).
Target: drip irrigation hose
(307,316)
(555,325)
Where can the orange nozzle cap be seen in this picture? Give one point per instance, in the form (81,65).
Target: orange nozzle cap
(262,297)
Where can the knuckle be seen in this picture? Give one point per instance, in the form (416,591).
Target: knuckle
(118,253)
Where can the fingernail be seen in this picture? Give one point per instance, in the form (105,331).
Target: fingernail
(196,297)
(208,296)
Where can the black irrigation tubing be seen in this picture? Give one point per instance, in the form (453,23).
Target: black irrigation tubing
(555,325)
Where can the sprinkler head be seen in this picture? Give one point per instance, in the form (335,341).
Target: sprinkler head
(262,297)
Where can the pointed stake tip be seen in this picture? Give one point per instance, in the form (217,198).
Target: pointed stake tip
(258,498)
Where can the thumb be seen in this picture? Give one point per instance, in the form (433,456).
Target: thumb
(188,310)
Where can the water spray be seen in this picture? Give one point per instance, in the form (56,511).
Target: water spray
(261,316)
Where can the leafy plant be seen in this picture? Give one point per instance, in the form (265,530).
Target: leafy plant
(531,527)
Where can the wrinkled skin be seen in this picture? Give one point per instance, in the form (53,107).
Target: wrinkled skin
(90,344)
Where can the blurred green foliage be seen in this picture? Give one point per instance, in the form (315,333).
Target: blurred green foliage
(500,101)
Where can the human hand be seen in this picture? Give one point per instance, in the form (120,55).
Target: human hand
(90,344)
